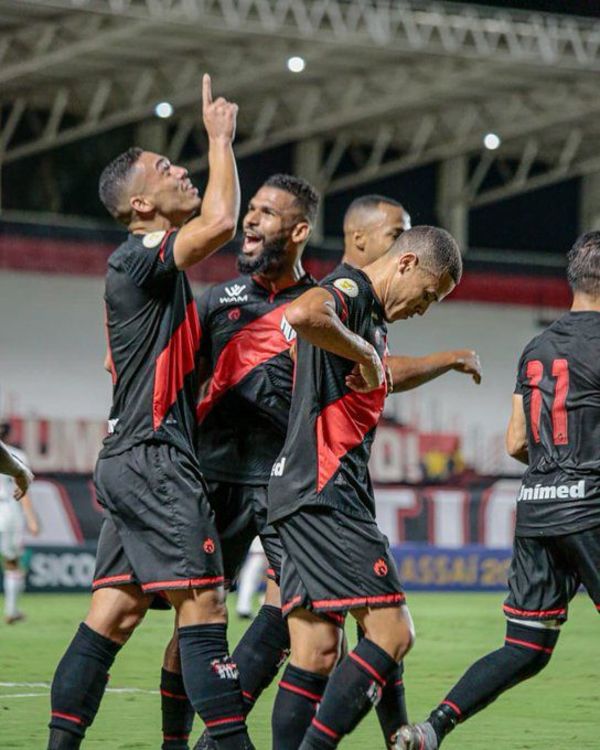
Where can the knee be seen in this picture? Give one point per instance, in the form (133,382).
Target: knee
(126,624)
(320,658)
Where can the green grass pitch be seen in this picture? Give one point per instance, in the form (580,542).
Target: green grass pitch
(559,708)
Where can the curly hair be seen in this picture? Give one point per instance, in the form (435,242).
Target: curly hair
(306,196)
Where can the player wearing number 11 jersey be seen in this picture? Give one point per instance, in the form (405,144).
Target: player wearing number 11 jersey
(555,430)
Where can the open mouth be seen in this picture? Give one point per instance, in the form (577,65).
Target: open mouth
(252,244)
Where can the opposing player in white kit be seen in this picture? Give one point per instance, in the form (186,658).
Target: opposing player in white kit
(14,518)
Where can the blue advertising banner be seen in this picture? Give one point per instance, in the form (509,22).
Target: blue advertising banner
(471,568)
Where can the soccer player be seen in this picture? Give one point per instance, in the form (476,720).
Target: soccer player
(554,428)
(243,420)
(320,495)
(14,518)
(158,534)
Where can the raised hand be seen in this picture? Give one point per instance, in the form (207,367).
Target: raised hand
(219,115)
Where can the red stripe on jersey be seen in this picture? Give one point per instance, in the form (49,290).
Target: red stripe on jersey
(248,348)
(342,425)
(163,244)
(176,361)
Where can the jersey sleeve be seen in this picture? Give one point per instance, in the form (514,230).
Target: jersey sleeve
(151,265)
(345,294)
(521,374)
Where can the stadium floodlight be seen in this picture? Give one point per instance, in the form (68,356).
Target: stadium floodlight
(163,109)
(491,141)
(296,64)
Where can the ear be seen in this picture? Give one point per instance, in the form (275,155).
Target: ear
(141,205)
(360,239)
(407,262)
(301,232)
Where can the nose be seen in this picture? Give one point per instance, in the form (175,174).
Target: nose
(181,172)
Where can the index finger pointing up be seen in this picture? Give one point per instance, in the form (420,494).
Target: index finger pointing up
(206,90)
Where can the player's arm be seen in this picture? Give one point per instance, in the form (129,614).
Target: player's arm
(11,465)
(410,372)
(516,433)
(31,518)
(221,203)
(313,316)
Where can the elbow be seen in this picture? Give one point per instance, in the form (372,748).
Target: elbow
(225,228)
(297,315)
(515,446)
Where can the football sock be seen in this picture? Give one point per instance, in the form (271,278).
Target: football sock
(261,651)
(177,712)
(391,709)
(78,685)
(353,688)
(13,585)
(212,683)
(295,706)
(526,652)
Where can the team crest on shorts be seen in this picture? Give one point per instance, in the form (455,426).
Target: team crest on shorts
(234,314)
(348,286)
(208,546)
(380,567)
(153,239)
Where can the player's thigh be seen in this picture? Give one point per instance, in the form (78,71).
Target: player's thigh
(582,551)
(540,582)
(391,628)
(315,641)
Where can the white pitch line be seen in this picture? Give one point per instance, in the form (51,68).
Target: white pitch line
(47,685)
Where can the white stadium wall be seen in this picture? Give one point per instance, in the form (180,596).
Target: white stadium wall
(52,347)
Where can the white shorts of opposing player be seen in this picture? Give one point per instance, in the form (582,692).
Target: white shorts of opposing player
(12,529)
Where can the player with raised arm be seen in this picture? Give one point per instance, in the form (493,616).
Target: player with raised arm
(320,495)
(555,429)
(158,533)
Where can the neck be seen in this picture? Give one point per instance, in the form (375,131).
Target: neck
(583,302)
(378,278)
(287,277)
(158,223)
(352,257)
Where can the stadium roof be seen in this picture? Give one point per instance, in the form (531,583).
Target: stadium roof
(388,85)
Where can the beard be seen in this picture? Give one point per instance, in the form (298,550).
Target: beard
(270,261)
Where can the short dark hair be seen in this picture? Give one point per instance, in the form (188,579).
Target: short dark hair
(305,194)
(436,248)
(370,201)
(583,269)
(112,181)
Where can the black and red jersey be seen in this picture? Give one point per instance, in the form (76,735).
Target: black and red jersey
(559,379)
(244,414)
(154,338)
(324,461)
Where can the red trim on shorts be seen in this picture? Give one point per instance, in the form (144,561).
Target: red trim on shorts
(68,717)
(270,572)
(300,691)
(124,578)
(534,613)
(229,720)
(183,583)
(291,604)
(184,737)
(167,694)
(337,617)
(453,706)
(529,644)
(248,696)
(326,730)
(367,667)
(360,601)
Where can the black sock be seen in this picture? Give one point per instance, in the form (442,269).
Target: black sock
(295,706)
(526,652)
(353,688)
(391,709)
(78,686)
(177,711)
(262,650)
(212,683)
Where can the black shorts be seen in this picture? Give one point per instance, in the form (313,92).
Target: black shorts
(333,563)
(240,516)
(546,572)
(159,529)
